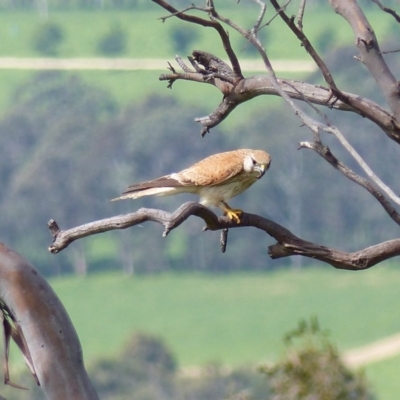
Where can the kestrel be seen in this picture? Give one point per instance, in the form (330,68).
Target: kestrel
(216,179)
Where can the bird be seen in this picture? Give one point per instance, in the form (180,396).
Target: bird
(216,179)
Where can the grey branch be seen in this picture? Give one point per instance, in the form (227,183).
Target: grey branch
(328,156)
(387,10)
(249,88)
(34,317)
(287,243)
(370,53)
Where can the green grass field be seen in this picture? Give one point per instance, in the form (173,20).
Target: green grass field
(147,34)
(239,318)
(148,37)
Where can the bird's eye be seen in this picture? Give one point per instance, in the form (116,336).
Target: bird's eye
(254,161)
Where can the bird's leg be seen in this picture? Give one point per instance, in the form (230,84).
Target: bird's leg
(232,214)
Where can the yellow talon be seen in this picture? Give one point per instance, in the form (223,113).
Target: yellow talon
(232,214)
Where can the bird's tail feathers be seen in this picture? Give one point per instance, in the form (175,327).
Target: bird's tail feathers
(140,192)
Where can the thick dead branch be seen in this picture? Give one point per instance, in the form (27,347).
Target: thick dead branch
(36,320)
(254,86)
(370,53)
(287,244)
(61,239)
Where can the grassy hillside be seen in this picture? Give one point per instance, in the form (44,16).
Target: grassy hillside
(148,37)
(147,34)
(233,318)
(238,318)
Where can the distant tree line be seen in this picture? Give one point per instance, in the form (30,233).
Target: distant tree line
(49,36)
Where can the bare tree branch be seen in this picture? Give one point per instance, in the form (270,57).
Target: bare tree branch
(300,15)
(355,102)
(387,9)
(263,8)
(232,96)
(287,244)
(370,53)
(309,48)
(254,86)
(211,24)
(371,174)
(323,150)
(328,156)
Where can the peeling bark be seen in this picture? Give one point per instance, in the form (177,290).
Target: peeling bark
(370,53)
(50,343)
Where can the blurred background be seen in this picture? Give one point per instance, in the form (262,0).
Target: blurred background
(83,115)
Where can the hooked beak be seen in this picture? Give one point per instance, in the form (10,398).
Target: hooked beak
(261,169)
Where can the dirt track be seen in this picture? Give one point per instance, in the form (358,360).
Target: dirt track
(373,352)
(129,64)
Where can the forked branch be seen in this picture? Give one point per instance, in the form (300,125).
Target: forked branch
(287,243)
(236,89)
(370,54)
(210,23)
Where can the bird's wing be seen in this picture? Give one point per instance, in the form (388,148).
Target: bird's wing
(213,170)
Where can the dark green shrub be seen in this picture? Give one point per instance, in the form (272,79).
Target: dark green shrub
(47,39)
(312,369)
(113,42)
(182,38)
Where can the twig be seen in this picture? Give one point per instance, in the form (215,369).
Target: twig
(183,66)
(207,23)
(390,51)
(224,239)
(328,156)
(344,142)
(277,13)
(387,9)
(263,8)
(300,15)
(309,48)
(177,13)
(370,173)
(313,125)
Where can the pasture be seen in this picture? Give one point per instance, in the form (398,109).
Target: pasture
(237,319)
(148,37)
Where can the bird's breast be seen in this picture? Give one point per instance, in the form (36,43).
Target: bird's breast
(213,195)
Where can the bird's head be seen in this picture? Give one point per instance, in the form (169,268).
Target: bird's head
(257,162)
